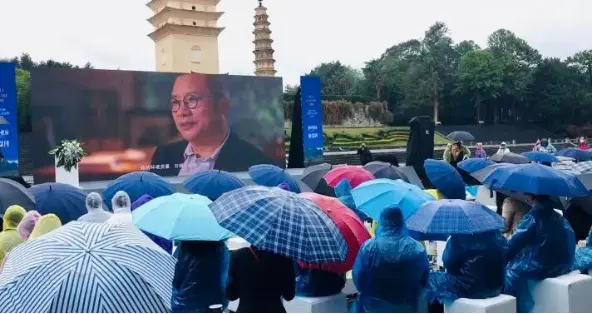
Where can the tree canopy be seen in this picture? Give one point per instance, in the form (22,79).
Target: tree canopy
(461,83)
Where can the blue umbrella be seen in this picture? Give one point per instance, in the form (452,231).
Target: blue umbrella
(270,176)
(279,221)
(137,184)
(372,197)
(180,217)
(87,268)
(445,178)
(474,164)
(446,217)
(63,200)
(541,157)
(212,183)
(535,179)
(577,154)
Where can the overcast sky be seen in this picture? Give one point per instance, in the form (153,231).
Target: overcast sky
(112,34)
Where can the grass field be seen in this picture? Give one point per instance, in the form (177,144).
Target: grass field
(372,136)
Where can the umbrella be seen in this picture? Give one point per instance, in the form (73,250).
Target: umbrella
(87,268)
(461,136)
(480,175)
(577,154)
(541,157)
(281,222)
(212,183)
(270,176)
(64,200)
(374,196)
(385,170)
(535,179)
(352,229)
(445,217)
(356,175)
(312,176)
(510,158)
(136,184)
(181,217)
(445,178)
(474,164)
(12,193)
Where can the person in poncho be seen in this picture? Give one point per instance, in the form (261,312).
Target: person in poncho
(96,212)
(25,227)
(543,246)
(45,224)
(9,237)
(391,269)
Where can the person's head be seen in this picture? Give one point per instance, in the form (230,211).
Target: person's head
(141,201)
(532,199)
(544,143)
(582,139)
(199,105)
(363,145)
(94,202)
(121,203)
(45,225)
(391,221)
(503,145)
(455,149)
(479,145)
(12,217)
(25,227)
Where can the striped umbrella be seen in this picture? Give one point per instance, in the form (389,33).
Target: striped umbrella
(87,268)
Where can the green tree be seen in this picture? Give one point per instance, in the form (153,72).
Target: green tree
(582,61)
(479,74)
(23,97)
(337,79)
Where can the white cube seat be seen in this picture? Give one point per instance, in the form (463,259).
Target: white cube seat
(570,293)
(500,304)
(336,303)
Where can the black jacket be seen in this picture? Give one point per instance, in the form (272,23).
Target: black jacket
(260,280)
(236,155)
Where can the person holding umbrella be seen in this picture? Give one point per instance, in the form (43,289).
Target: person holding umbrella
(391,269)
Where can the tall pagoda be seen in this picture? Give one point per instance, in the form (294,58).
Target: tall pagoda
(264,61)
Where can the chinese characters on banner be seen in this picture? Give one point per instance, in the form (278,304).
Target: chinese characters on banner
(312,117)
(9,149)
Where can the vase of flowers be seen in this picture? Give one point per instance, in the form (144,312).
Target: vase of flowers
(68,155)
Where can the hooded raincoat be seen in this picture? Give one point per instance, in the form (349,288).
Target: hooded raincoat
(474,266)
(9,237)
(343,193)
(96,212)
(45,224)
(583,260)
(543,246)
(25,227)
(122,209)
(200,277)
(391,269)
(162,242)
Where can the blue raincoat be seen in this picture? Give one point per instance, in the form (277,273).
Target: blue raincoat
(200,277)
(391,269)
(543,246)
(583,260)
(317,282)
(474,266)
(343,193)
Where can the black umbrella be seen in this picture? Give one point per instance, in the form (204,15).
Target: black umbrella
(510,158)
(13,193)
(313,175)
(385,170)
(461,136)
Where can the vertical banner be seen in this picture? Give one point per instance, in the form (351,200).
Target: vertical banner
(312,117)
(9,149)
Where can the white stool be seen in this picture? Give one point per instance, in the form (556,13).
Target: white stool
(233,305)
(500,304)
(236,243)
(571,293)
(332,304)
(350,287)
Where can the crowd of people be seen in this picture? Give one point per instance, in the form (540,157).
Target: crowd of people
(391,271)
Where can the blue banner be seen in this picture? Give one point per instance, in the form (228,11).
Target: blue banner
(312,117)
(9,148)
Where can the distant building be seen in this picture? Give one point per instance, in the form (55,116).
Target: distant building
(186,35)
(264,61)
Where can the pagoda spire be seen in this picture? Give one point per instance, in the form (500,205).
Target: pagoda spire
(264,61)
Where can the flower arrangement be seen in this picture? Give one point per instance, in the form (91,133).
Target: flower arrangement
(68,154)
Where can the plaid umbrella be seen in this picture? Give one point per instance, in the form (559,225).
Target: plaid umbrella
(445,217)
(87,268)
(281,222)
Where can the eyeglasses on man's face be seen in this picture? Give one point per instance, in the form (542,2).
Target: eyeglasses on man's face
(189,101)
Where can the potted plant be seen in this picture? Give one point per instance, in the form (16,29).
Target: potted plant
(68,155)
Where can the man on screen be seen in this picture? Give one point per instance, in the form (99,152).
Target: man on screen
(199,108)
